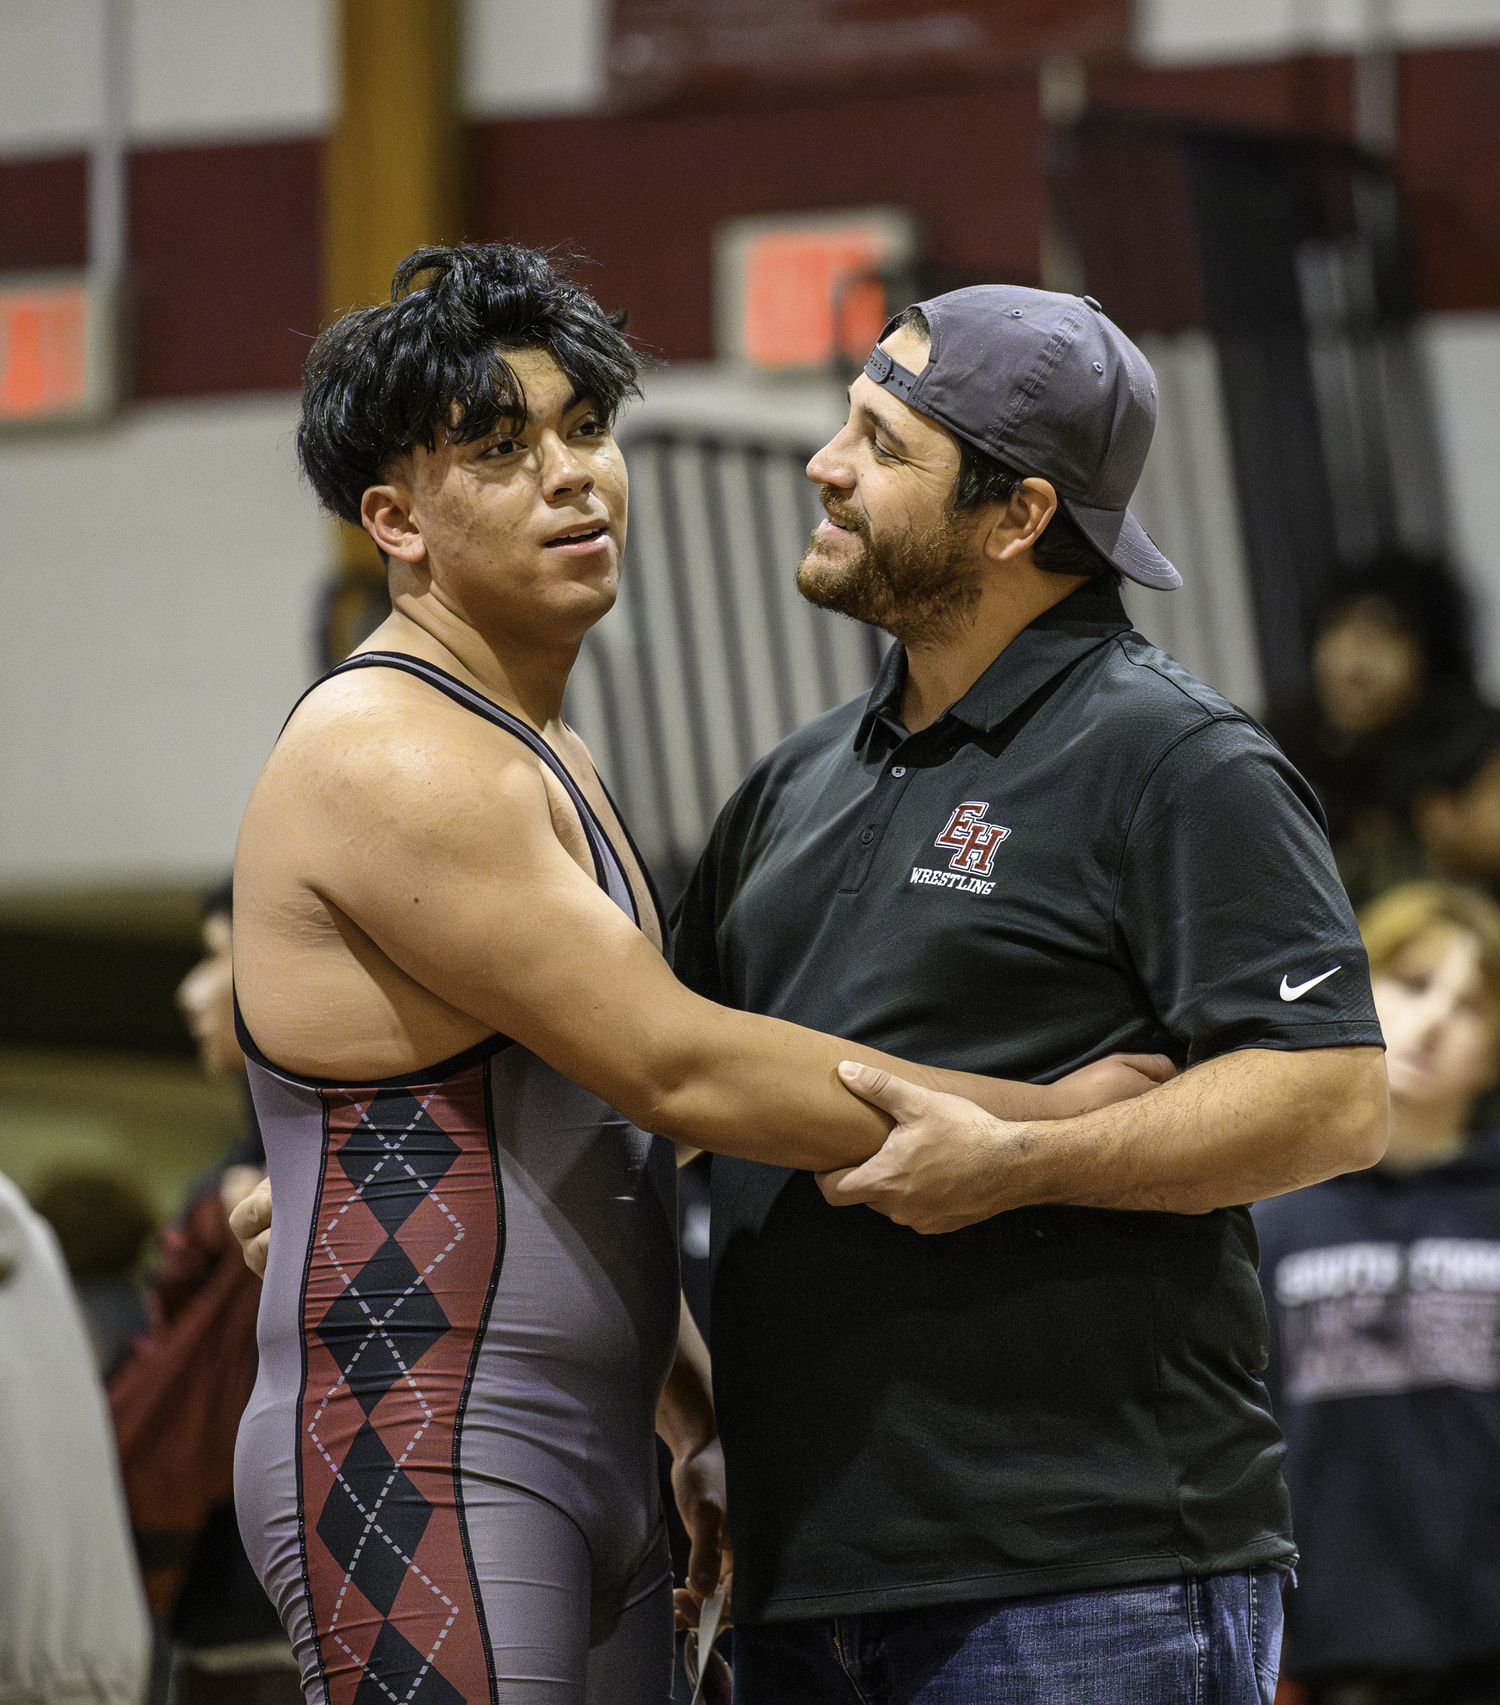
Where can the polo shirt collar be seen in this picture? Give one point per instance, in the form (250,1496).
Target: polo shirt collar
(1054,641)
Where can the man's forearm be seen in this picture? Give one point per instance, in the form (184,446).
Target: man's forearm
(685,1409)
(768,1091)
(740,1084)
(1239,1128)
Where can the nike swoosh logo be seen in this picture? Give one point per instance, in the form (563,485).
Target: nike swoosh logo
(1289,993)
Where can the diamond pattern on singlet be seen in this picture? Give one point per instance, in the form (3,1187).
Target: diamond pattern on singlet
(402,1265)
(405,1254)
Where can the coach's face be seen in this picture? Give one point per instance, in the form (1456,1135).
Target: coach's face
(891,550)
(521,531)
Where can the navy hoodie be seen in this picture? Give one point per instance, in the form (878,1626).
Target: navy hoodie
(1383,1292)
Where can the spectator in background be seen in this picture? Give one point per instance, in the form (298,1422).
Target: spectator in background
(1384,1298)
(102,1223)
(1451,796)
(178,1400)
(101,1220)
(205,998)
(1392,675)
(73,1628)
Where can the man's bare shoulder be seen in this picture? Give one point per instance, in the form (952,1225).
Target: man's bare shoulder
(380,741)
(400,861)
(379,782)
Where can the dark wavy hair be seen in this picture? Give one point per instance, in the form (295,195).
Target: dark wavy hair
(383,379)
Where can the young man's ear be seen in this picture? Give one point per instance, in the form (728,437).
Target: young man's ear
(385,511)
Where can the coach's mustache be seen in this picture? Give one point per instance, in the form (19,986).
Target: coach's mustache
(844,514)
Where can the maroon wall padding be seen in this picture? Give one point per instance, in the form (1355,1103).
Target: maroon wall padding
(225,240)
(743,50)
(1447,147)
(44,220)
(1315,93)
(1448,162)
(224,245)
(642,195)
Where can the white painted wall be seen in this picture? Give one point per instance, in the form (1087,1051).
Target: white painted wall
(205,68)
(158,580)
(198,70)
(1178,32)
(217,69)
(52,72)
(1463,352)
(533,57)
(214,70)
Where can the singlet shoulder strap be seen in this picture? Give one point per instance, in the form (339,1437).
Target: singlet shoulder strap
(608,871)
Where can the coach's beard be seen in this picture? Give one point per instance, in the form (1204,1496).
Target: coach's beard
(913,583)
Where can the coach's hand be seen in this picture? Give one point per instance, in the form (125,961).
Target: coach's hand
(251,1224)
(930,1171)
(937,1168)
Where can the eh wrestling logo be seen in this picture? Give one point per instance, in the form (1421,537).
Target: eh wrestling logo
(972,841)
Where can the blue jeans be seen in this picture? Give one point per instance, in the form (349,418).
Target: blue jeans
(1207,1640)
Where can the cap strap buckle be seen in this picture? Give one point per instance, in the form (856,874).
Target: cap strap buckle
(885,372)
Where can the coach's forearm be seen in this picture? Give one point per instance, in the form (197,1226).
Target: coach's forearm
(1238,1128)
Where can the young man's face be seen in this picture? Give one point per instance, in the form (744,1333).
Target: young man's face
(523,529)
(892,551)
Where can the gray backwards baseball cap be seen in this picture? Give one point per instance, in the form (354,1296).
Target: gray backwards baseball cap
(1049,386)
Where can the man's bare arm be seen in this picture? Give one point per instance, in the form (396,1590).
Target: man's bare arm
(685,1421)
(1238,1128)
(442,854)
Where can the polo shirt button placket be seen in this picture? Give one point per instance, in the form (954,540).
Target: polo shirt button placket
(889,787)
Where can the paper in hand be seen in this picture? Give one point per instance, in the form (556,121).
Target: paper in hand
(711,1677)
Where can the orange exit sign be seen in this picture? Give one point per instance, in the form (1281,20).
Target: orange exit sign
(801,291)
(57,349)
(811,293)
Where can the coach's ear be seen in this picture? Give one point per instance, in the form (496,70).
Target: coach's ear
(386,513)
(1022,521)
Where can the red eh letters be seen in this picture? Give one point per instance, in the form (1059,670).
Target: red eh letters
(973,839)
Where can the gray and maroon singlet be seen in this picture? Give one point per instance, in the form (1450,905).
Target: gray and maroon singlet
(446,1476)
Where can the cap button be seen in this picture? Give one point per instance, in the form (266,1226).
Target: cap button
(1089,302)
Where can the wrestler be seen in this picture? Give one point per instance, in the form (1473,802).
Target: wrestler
(460,1029)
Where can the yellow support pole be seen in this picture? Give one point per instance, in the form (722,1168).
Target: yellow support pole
(392,171)
(393,180)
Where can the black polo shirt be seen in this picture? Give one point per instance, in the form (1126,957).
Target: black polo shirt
(1091,851)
